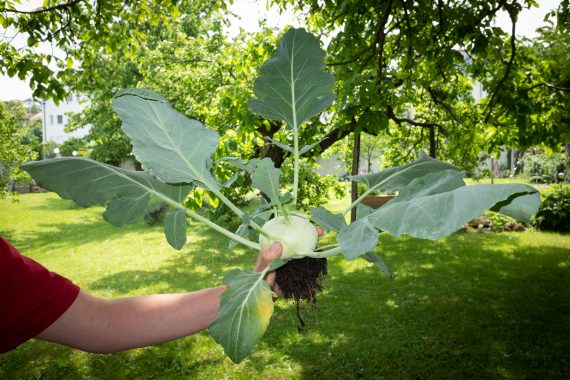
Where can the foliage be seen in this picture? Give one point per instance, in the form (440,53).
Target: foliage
(314,190)
(73,144)
(34,136)
(16,145)
(81,29)
(409,70)
(454,308)
(292,88)
(542,167)
(48,148)
(554,212)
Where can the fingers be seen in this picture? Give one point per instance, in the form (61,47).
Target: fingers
(320,230)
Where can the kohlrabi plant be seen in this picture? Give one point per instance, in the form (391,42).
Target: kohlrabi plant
(176,153)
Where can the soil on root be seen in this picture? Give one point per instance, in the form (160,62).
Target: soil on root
(300,280)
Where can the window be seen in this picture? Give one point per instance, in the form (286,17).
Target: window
(51,119)
(60,119)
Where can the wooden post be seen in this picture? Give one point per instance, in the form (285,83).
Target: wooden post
(355,162)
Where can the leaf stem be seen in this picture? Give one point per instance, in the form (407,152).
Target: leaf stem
(327,253)
(234,208)
(295,135)
(209,223)
(222,230)
(367,192)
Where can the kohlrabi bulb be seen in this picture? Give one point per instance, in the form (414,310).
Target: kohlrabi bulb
(297,236)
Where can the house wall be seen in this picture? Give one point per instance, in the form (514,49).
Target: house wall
(55,119)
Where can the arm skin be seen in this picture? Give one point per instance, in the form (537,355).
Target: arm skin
(102,326)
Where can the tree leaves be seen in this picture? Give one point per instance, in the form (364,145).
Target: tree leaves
(293,86)
(89,182)
(245,311)
(167,143)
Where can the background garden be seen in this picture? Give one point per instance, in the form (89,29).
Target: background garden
(490,301)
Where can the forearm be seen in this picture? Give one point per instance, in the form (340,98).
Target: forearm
(98,325)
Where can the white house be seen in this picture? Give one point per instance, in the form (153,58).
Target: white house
(55,118)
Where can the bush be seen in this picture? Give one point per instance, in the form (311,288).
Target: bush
(554,212)
(543,168)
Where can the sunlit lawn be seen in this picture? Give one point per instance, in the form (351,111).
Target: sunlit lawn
(471,306)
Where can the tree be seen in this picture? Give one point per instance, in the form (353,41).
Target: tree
(13,152)
(79,28)
(407,68)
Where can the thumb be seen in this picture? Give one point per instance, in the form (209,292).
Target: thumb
(267,255)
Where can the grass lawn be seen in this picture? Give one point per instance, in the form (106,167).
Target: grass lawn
(472,306)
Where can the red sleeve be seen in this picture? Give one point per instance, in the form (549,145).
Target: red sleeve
(31,297)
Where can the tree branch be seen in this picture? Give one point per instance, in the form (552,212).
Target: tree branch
(472,25)
(44,10)
(400,120)
(549,85)
(490,105)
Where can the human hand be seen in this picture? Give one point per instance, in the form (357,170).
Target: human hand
(271,253)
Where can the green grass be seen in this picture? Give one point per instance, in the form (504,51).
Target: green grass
(517,179)
(493,306)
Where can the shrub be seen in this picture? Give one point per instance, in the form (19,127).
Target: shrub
(543,168)
(554,213)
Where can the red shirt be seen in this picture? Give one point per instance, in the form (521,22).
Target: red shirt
(31,297)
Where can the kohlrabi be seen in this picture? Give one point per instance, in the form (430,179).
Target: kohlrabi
(296,234)
(176,154)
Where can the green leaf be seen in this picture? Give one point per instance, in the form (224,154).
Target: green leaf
(266,178)
(281,145)
(126,210)
(245,310)
(438,215)
(89,182)
(372,257)
(363,210)
(175,228)
(358,238)
(293,86)
(307,148)
(397,177)
(328,220)
(432,183)
(168,144)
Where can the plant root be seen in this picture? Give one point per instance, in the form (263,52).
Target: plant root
(300,280)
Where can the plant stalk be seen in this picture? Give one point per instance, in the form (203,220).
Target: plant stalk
(327,253)
(295,137)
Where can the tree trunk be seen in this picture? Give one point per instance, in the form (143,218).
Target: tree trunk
(432,141)
(355,162)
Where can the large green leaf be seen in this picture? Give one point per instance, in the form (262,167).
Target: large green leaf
(89,182)
(245,310)
(168,144)
(438,215)
(397,177)
(293,86)
(429,184)
(357,238)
